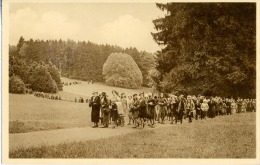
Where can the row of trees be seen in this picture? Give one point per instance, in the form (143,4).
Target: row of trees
(80,60)
(209,48)
(38,76)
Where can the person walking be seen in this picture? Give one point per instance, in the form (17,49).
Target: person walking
(233,107)
(204,109)
(114,112)
(135,110)
(173,108)
(190,108)
(104,109)
(181,108)
(124,104)
(151,109)
(95,109)
(129,111)
(162,108)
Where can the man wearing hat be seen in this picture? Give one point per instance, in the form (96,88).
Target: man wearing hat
(135,110)
(181,108)
(190,108)
(129,111)
(95,109)
(151,108)
(105,109)
(142,109)
(162,102)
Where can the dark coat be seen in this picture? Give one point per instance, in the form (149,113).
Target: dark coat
(105,110)
(142,108)
(212,108)
(95,109)
(151,108)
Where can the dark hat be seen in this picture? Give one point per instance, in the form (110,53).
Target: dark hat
(134,95)
(103,94)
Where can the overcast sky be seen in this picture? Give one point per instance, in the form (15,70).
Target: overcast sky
(122,24)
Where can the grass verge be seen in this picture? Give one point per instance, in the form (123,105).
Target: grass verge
(222,137)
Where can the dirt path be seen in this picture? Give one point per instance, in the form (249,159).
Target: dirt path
(54,137)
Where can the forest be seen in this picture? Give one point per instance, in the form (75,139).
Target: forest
(77,60)
(209,49)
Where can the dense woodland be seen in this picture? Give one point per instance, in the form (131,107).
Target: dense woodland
(209,48)
(78,60)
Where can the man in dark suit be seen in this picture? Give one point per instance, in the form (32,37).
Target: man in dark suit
(95,104)
(181,108)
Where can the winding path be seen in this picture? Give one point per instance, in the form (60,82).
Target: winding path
(54,137)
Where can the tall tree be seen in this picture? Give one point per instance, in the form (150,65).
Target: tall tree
(209,48)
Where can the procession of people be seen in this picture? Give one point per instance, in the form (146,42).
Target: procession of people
(148,109)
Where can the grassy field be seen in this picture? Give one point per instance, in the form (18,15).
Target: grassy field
(222,137)
(86,89)
(28,113)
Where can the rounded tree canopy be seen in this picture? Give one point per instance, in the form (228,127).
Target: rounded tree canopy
(121,70)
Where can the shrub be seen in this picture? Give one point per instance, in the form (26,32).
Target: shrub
(16,85)
(55,75)
(42,81)
(121,70)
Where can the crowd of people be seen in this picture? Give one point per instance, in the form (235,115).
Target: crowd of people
(47,95)
(71,83)
(148,109)
(58,97)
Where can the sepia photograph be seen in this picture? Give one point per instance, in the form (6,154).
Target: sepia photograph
(129,80)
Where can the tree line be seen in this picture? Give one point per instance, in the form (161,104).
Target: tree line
(209,48)
(78,60)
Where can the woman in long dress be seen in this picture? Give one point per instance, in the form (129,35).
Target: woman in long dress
(105,109)
(233,107)
(129,110)
(114,112)
(95,109)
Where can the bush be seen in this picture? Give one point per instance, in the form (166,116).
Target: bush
(121,70)
(42,81)
(55,75)
(16,85)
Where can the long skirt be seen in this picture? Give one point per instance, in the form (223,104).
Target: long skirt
(233,110)
(95,115)
(223,110)
(151,112)
(130,114)
(157,110)
(135,113)
(162,111)
(142,113)
(105,115)
(114,115)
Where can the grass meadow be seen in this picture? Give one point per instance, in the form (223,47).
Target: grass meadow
(222,137)
(29,113)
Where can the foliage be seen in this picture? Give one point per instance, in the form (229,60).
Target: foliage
(53,70)
(121,70)
(34,72)
(79,60)
(209,48)
(42,81)
(16,85)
